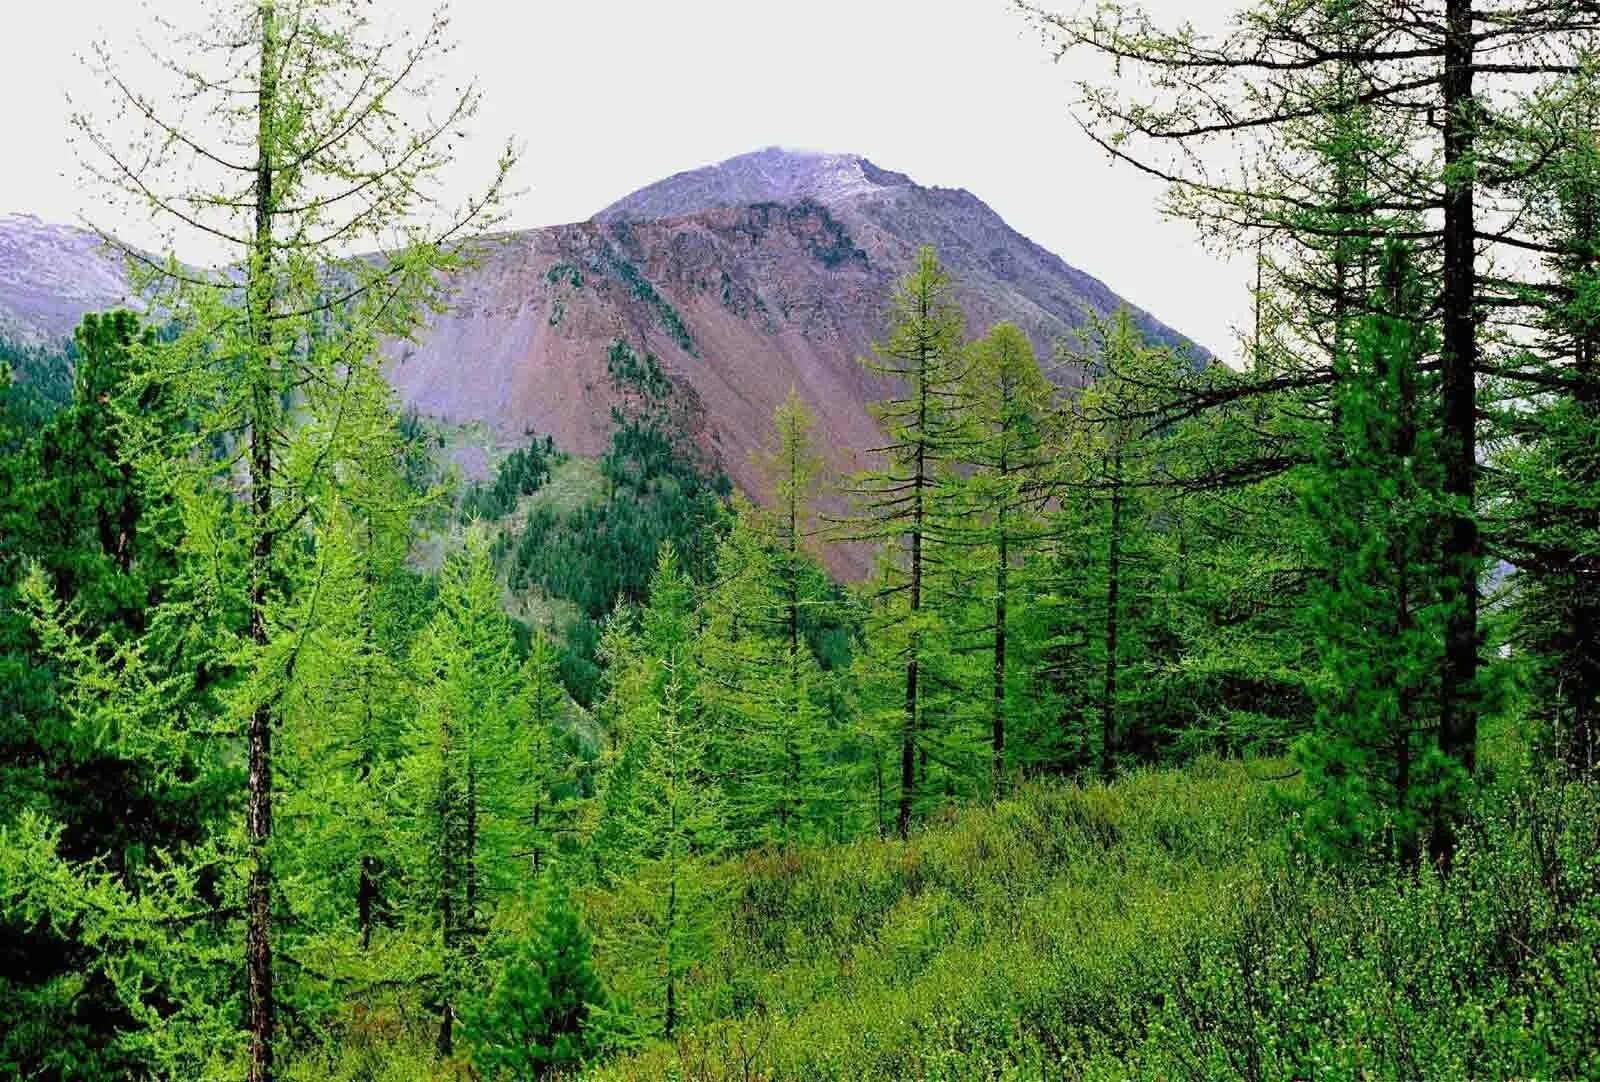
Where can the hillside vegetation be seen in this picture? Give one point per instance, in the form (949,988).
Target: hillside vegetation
(1156,928)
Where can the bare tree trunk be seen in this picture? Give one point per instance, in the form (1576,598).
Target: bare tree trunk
(908,746)
(1458,714)
(1108,699)
(258,794)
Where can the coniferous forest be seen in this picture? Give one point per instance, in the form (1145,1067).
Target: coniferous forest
(1196,720)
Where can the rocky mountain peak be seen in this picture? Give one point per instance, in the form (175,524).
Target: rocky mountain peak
(770,175)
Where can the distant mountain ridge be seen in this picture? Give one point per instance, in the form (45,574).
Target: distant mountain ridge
(50,275)
(743,278)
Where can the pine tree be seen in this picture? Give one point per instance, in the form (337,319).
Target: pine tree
(104,755)
(903,502)
(1377,614)
(543,1013)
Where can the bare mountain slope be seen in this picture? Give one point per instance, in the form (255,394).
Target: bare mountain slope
(50,275)
(767,271)
(743,278)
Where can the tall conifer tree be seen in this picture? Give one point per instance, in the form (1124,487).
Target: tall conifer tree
(1009,401)
(904,502)
(1377,614)
(280,139)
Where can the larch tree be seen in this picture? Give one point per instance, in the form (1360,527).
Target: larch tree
(763,680)
(760,685)
(464,791)
(1111,458)
(662,810)
(1009,404)
(904,501)
(544,774)
(1547,519)
(286,136)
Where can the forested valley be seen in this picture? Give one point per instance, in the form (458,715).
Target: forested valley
(1196,720)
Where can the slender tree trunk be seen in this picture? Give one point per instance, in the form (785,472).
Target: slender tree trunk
(1584,649)
(1458,714)
(793,793)
(366,897)
(446,1044)
(258,792)
(998,707)
(449,931)
(670,1021)
(470,917)
(538,850)
(908,748)
(1108,698)
(877,759)
(367,882)
(794,544)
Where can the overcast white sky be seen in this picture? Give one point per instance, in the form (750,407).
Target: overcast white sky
(609,95)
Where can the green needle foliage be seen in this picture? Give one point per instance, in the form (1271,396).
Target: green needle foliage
(662,810)
(1010,413)
(777,743)
(905,502)
(463,780)
(1376,614)
(111,792)
(278,133)
(1548,520)
(545,1012)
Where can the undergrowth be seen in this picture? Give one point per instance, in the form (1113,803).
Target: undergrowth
(1160,927)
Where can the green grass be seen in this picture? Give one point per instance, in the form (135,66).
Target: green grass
(574,483)
(1160,928)
(953,955)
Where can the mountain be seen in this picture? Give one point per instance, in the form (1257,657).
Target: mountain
(766,271)
(988,256)
(50,275)
(745,278)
